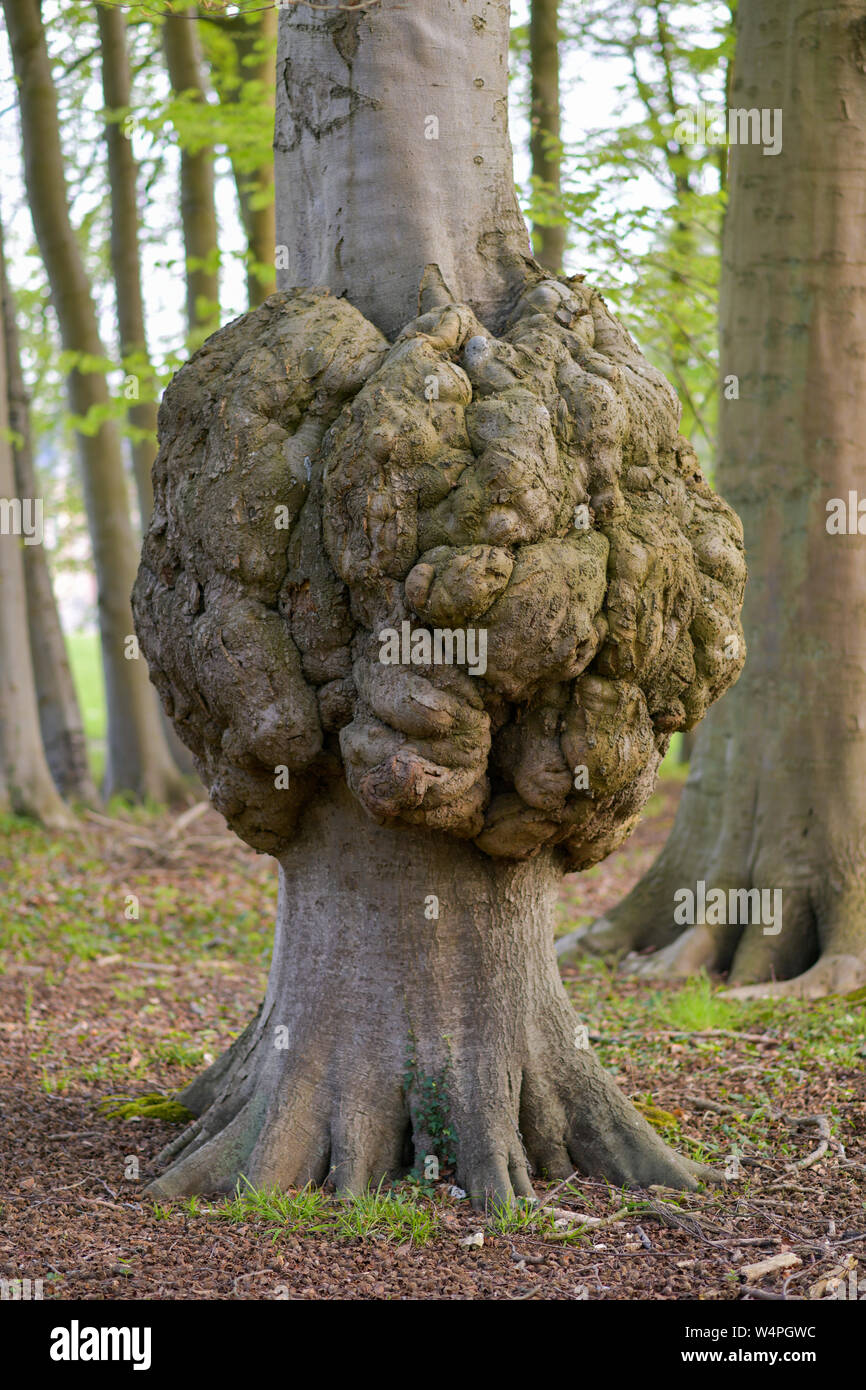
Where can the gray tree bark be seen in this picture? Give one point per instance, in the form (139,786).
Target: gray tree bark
(253,37)
(138,759)
(776,798)
(126,269)
(26,786)
(386,162)
(125,257)
(59,713)
(544,140)
(369,1001)
(183,58)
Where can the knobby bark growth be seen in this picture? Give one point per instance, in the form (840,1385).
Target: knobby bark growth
(351,466)
(776,799)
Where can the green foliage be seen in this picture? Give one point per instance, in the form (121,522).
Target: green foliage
(811,1038)
(244,122)
(664,1121)
(525,1217)
(645,210)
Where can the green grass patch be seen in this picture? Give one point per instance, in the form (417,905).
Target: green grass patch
(696,1006)
(64,900)
(393,1216)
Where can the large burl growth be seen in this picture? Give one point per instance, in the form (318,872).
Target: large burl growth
(318,486)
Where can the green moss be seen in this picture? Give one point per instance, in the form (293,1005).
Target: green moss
(152,1106)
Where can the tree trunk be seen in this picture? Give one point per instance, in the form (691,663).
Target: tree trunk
(776,798)
(59,713)
(386,161)
(197,199)
(253,40)
(25,778)
(414,1008)
(544,142)
(125,257)
(138,758)
(126,268)
(388,1036)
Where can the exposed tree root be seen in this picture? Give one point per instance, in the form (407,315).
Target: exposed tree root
(793,923)
(273,1121)
(832,974)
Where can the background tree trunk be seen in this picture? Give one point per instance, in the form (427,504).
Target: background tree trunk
(59,713)
(138,758)
(197,200)
(544,140)
(253,41)
(776,797)
(125,258)
(126,267)
(25,780)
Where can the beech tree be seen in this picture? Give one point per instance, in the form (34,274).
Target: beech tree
(545,136)
(240,50)
(60,722)
(431,580)
(138,759)
(26,786)
(124,245)
(183,58)
(776,798)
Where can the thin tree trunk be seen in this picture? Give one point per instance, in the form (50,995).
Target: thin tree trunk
(197,197)
(138,758)
(125,257)
(25,779)
(126,267)
(253,39)
(776,798)
(544,140)
(59,712)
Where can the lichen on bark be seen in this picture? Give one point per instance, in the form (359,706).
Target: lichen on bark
(318,486)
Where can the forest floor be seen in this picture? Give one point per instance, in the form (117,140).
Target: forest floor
(131,954)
